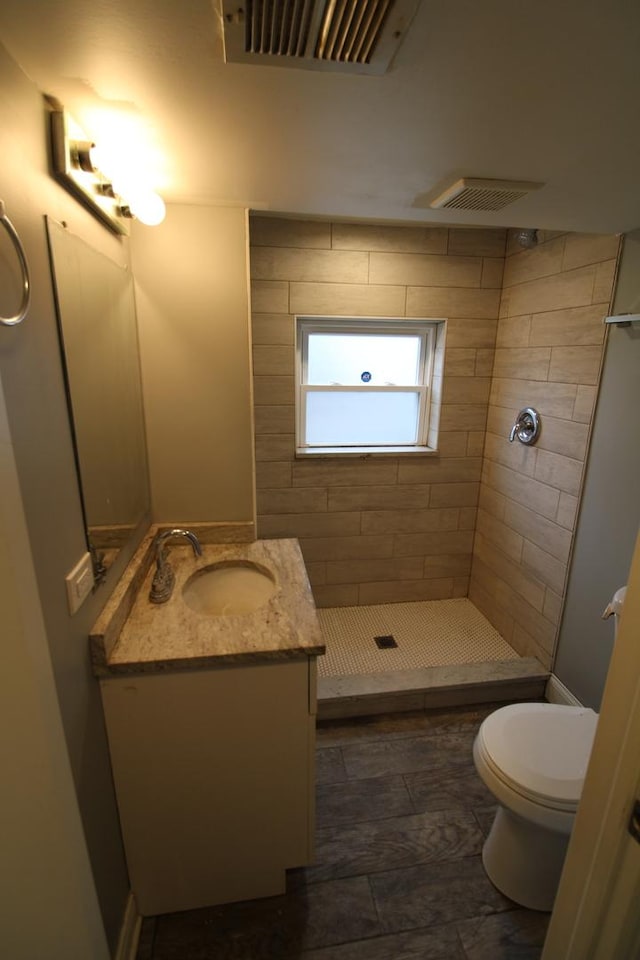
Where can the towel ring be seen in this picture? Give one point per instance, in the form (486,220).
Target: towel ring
(26,285)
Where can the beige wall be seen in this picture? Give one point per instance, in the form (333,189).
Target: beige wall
(192,293)
(548,354)
(33,385)
(387,528)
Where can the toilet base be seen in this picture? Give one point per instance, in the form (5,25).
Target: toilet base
(523,860)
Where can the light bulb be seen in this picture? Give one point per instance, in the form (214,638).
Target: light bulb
(147,207)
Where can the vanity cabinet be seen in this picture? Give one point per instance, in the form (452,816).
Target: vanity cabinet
(214,775)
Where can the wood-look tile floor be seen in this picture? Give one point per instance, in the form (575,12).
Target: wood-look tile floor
(401,818)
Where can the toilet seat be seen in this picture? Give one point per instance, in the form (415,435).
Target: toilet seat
(540,751)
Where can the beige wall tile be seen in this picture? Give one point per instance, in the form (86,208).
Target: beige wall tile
(405,591)
(455,444)
(573,289)
(528,647)
(347,300)
(453,494)
(346,472)
(492,273)
(585,402)
(546,568)
(274,419)
(541,261)
(559,471)
(379,570)
(515,455)
(307,500)
(477,243)
(491,501)
(453,302)
(498,617)
(269,296)
(273,474)
(500,534)
(430,544)
(575,364)
(574,327)
(471,332)
(463,416)
(484,362)
(567,511)
(581,249)
(467,518)
(603,283)
(273,390)
(442,565)
(460,587)
(523,613)
(537,496)
(395,497)
(460,362)
(526,586)
(272,361)
(321,266)
(438,470)
(347,548)
(500,421)
(336,595)
(310,525)
(273,328)
(281,232)
(275,448)
(544,533)
(466,389)
(513,332)
(475,443)
(564,436)
(425,270)
(522,363)
(317,573)
(357,236)
(549,399)
(552,609)
(409,521)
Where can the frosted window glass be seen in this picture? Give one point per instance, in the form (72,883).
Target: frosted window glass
(364,418)
(335,358)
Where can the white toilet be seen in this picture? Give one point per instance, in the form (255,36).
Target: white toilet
(533,757)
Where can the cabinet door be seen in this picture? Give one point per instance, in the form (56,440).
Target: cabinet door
(213,772)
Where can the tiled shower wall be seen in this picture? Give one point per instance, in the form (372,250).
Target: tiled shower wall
(548,354)
(388,528)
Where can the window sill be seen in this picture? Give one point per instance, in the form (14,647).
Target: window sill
(364,452)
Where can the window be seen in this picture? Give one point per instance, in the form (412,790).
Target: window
(364,385)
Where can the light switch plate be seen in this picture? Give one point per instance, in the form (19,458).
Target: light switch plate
(79,583)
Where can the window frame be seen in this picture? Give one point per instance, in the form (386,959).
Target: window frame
(425,328)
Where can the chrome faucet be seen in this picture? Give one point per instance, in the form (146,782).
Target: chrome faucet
(164,577)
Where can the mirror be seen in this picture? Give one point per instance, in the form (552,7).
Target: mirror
(99,340)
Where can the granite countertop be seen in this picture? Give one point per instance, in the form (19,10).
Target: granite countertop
(134,635)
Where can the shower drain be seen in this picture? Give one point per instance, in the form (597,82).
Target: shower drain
(386,641)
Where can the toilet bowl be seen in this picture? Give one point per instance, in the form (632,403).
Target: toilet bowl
(533,757)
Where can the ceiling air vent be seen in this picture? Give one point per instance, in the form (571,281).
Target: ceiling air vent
(475,194)
(355,36)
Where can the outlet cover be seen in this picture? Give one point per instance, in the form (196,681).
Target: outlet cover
(79,583)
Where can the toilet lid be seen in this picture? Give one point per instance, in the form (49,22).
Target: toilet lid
(541,749)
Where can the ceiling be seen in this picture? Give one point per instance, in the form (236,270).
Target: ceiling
(546,91)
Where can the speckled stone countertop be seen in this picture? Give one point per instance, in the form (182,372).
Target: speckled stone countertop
(134,635)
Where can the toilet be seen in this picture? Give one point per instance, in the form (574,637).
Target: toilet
(533,758)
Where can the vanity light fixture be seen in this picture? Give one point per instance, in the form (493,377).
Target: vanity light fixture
(76,163)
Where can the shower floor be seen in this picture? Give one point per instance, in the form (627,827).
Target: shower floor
(447,654)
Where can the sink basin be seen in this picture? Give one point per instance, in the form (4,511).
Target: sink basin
(229,588)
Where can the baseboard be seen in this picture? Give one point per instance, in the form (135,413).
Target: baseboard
(129,932)
(556,692)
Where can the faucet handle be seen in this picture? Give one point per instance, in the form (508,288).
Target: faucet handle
(527,426)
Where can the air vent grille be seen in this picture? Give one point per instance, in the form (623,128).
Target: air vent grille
(474,194)
(351,35)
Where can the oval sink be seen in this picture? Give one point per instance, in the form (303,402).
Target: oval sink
(229,588)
